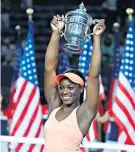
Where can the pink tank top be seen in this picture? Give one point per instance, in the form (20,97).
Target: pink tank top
(62,136)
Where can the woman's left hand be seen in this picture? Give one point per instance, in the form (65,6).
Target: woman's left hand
(99,27)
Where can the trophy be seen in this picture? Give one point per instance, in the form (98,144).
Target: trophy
(77,29)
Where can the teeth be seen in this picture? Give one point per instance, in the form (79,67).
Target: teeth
(66,98)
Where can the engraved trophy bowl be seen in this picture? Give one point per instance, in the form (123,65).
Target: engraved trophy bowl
(77,29)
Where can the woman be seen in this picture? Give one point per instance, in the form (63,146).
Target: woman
(69,121)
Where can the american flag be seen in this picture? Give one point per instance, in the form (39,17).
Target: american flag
(84,67)
(115,73)
(15,76)
(27,119)
(123,110)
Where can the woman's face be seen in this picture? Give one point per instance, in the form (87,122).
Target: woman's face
(69,92)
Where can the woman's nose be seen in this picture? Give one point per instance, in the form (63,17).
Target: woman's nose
(65,91)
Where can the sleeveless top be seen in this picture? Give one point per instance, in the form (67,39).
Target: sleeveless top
(62,136)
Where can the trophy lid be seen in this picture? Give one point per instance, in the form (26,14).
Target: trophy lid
(81,10)
(82,7)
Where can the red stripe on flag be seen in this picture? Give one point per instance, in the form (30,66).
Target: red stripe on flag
(22,116)
(127,94)
(129,141)
(124,109)
(11,106)
(95,129)
(37,135)
(101,96)
(87,136)
(82,149)
(121,125)
(29,127)
(42,148)
(21,93)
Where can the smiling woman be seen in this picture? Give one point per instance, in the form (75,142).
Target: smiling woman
(69,121)
(75,79)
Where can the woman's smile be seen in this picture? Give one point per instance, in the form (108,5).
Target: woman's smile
(66,98)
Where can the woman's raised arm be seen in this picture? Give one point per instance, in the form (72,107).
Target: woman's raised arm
(92,92)
(88,109)
(51,62)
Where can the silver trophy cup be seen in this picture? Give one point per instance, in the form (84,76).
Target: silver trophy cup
(77,29)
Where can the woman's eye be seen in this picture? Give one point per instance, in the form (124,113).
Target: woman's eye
(60,88)
(70,88)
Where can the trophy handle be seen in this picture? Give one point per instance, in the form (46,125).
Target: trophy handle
(93,22)
(60,31)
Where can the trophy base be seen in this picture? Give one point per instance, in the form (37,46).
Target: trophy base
(72,49)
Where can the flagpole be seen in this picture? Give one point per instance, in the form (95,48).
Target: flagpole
(18,29)
(29,12)
(116,27)
(130,11)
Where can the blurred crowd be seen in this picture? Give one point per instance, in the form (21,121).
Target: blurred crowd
(112,11)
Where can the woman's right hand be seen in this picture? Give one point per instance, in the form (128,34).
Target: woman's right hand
(57,23)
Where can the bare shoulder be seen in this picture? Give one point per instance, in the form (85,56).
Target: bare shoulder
(84,117)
